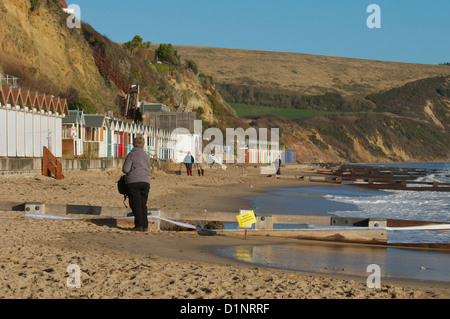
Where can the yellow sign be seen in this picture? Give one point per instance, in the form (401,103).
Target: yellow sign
(246,219)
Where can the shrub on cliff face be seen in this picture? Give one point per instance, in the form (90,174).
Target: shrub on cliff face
(192,65)
(34,4)
(167,53)
(53,6)
(83,104)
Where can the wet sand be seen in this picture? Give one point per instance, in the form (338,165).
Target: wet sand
(117,263)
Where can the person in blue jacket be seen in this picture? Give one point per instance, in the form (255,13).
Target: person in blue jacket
(188,162)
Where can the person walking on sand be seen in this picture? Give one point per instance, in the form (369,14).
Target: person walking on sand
(198,161)
(137,170)
(188,162)
(278,165)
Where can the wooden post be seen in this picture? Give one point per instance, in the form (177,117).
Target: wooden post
(45,162)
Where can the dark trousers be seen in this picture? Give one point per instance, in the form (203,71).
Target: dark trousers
(189,171)
(138,196)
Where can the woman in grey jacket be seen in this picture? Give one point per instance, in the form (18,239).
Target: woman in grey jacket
(137,170)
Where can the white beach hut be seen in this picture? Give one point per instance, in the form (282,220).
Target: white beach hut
(28,122)
(29,127)
(4,95)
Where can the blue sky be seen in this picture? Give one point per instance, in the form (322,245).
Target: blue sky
(411,31)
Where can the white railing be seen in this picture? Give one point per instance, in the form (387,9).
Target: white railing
(9,80)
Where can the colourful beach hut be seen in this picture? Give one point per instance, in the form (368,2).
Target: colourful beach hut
(96,128)
(73,132)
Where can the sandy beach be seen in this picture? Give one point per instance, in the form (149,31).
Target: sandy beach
(117,263)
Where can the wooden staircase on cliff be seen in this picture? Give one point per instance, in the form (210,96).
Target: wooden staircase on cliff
(131,92)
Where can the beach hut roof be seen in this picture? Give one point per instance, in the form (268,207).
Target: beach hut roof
(57,104)
(14,97)
(94,120)
(74,116)
(114,125)
(118,125)
(126,127)
(64,107)
(4,94)
(33,100)
(17,97)
(2,97)
(50,104)
(9,97)
(121,126)
(40,99)
(26,99)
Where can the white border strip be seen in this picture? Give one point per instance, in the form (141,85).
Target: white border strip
(428,227)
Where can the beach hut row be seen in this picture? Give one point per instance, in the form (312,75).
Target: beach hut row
(29,121)
(99,136)
(267,154)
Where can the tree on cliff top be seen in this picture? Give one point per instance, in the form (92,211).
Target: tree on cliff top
(136,43)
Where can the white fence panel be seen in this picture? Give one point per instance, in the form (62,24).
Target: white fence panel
(58,137)
(12,133)
(51,134)
(3,132)
(44,131)
(20,116)
(37,147)
(29,136)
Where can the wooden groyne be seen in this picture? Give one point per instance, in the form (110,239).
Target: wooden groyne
(381,178)
(350,230)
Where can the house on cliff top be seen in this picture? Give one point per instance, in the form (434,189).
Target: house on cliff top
(66,8)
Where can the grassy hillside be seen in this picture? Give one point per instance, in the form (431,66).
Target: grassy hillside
(251,111)
(305,74)
(337,109)
(416,98)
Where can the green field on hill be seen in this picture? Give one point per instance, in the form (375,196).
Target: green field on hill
(243,110)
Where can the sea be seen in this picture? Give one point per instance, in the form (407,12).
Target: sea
(353,201)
